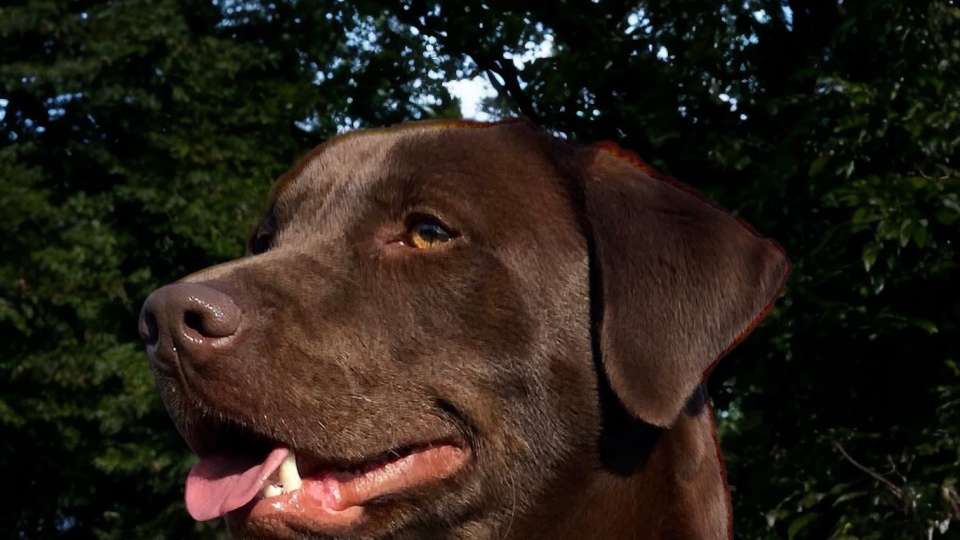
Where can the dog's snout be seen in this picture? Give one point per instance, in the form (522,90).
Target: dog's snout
(187,322)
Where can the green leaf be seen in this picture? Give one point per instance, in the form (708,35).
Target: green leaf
(928,326)
(817,166)
(799,524)
(870,254)
(849,497)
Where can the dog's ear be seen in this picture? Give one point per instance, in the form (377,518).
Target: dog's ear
(682,280)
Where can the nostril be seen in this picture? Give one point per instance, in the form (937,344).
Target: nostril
(194,321)
(148,329)
(207,313)
(187,322)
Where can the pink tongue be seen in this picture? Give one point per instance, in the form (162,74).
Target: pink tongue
(221,483)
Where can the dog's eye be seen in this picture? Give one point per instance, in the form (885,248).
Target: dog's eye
(427,232)
(260,243)
(262,238)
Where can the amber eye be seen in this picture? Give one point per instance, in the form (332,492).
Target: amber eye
(262,238)
(427,232)
(260,243)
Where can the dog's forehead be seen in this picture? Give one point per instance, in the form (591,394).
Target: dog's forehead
(498,153)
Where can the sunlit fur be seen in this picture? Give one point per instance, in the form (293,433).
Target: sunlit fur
(553,334)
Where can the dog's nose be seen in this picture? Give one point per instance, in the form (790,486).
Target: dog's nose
(187,322)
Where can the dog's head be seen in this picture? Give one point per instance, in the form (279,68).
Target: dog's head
(427,322)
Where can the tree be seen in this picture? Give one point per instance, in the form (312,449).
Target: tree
(831,126)
(137,138)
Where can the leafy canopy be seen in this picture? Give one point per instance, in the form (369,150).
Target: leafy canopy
(137,139)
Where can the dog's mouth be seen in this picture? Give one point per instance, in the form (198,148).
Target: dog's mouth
(255,479)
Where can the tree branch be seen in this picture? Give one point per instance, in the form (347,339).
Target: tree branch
(486,63)
(895,489)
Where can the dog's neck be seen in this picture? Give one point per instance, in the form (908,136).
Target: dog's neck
(678,493)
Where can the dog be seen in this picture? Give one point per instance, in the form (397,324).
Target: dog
(454,329)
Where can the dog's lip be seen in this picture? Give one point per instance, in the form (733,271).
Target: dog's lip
(310,465)
(208,437)
(334,500)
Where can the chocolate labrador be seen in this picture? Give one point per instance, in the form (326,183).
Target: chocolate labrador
(463,330)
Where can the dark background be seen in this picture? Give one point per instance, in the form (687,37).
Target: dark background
(137,139)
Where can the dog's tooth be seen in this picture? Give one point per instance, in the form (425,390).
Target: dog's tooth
(272,490)
(289,475)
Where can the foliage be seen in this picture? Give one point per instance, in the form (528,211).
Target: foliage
(136,138)
(137,141)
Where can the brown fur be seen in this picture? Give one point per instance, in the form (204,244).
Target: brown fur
(564,335)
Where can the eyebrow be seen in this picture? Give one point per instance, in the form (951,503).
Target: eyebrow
(287,178)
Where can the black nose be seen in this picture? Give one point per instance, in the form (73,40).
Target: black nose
(189,323)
